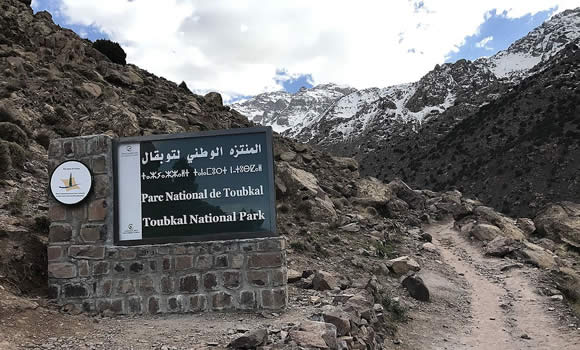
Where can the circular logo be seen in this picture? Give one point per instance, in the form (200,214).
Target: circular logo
(129,148)
(71,182)
(130,227)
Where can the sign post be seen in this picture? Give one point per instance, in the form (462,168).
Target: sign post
(212,185)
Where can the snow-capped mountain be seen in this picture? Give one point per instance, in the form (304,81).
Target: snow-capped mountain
(336,116)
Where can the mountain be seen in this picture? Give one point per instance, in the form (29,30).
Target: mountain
(341,123)
(387,129)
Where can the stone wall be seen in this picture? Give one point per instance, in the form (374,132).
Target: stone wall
(88,272)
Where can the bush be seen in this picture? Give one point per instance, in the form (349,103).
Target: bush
(112,50)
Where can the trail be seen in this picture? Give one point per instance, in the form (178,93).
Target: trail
(505,311)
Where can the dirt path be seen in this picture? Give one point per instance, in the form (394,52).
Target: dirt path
(506,312)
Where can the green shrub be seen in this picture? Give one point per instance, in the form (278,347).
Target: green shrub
(112,50)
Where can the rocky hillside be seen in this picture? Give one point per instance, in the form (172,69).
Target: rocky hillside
(517,152)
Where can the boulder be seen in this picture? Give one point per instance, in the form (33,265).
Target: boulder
(374,189)
(402,265)
(347,163)
(404,192)
(250,340)
(294,276)
(288,156)
(560,222)
(526,225)
(506,225)
(485,232)
(324,281)
(500,246)
(430,247)
(341,320)
(313,334)
(539,256)
(214,98)
(416,287)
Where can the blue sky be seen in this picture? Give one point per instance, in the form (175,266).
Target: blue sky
(241,49)
(496,34)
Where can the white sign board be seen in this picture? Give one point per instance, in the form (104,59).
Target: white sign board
(71,182)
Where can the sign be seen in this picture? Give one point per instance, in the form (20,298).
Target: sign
(71,182)
(189,187)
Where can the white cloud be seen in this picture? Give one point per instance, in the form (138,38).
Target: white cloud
(482,44)
(237,46)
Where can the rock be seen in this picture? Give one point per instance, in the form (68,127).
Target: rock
(348,163)
(340,319)
(485,232)
(315,334)
(374,189)
(538,256)
(426,237)
(288,156)
(560,222)
(402,265)
(352,227)
(92,89)
(430,247)
(250,340)
(404,192)
(526,225)
(500,247)
(214,98)
(293,276)
(416,287)
(324,281)
(300,147)
(506,225)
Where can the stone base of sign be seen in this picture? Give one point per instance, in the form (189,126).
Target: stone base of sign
(88,272)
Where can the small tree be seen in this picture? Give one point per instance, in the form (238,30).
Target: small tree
(112,50)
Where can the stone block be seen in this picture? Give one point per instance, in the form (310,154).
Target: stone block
(62,270)
(147,252)
(98,210)
(54,253)
(248,299)
(152,266)
(101,185)
(278,277)
(189,284)
(237,261)
(93,233)
(126,287)
(153,305)
(68,148)
(119,268)
(127,254)
(167,264)
(84,268)
(106,288)
(99,144)
(136,267)
(75,290)
(101,268)
(232,279)
(57,212)
(221,261)
(231,246)
(86,251)
(210,281)
(216,248)
(53,291)
(274,298)
(264,260)
(257,278)
(147,286)
(99,165)
(204,262)
(55,150)
(248,246)
(197,303)
(221,301)
(179,250)
(60,233)
(183,262)
(167,285)
(80,147)
(174,304)
(134,305)
(269,245)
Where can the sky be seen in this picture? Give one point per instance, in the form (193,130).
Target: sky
(241,48)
